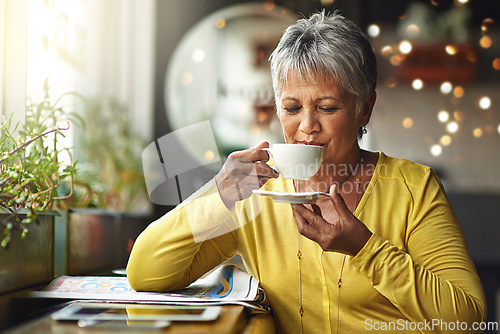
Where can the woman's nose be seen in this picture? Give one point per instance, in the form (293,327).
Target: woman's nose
(308,123)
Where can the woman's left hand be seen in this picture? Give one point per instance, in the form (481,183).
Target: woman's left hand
(344,235)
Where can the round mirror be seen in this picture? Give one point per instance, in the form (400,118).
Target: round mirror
(220,72)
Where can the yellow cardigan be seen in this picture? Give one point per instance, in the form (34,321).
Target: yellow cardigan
(414,274)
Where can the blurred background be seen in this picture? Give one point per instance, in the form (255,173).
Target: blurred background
(138,70)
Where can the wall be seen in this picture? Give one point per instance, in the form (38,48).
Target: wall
(469,164)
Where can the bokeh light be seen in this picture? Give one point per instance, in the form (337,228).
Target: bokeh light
(413,30)
(396,60)
(452,127)
(408,123)
(459,115)
(405,47)
(451,49)
(436,150)
(373,30)
(485,42)
(220,23)
(209,155)
(417,84)
(478,132)
(496,64)
(443,116)
(487,23)
(327,2)
(445,140)
(458,91)
(484,102)
(446,87)
(198,55)
(269,5)
(387,51)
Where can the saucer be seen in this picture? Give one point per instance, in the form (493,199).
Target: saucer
(295,198)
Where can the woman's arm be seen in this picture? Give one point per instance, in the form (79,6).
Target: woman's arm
(434,278)
(200,233)
(430,276)
(184,244)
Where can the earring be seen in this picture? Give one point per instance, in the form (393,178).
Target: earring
(364,130)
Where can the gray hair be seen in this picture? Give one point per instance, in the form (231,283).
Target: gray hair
(326,44)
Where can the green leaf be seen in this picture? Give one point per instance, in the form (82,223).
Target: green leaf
(5,241)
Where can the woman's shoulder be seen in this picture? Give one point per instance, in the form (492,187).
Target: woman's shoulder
(393,167)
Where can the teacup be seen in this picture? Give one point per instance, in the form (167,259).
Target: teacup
(296,161)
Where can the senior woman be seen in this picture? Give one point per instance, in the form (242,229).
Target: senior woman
(384,252)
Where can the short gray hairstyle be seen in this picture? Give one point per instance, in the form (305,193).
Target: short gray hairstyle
(326,44)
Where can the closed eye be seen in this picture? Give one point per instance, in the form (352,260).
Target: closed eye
(292,109)
(328,109)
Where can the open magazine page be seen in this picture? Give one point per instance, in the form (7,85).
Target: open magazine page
(227,284)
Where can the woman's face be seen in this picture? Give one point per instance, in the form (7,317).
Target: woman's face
(321,113)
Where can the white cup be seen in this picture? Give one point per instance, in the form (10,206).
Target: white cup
(296,161)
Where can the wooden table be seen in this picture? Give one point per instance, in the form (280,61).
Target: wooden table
(232,319)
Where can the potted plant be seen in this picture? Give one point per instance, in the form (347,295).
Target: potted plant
(31,174)
(73,221)
(100,220)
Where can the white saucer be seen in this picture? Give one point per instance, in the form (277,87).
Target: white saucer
(295,198)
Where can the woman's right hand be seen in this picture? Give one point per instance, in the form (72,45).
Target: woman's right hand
(243,172)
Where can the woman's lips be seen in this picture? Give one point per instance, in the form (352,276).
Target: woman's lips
(311,143)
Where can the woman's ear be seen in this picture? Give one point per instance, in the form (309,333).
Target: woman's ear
(367,109)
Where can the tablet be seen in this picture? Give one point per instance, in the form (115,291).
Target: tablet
(141,325)
(111,311)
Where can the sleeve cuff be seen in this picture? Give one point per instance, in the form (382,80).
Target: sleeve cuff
(366,255)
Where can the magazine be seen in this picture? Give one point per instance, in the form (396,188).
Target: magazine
(227,284)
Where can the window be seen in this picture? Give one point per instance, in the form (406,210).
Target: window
(13,58)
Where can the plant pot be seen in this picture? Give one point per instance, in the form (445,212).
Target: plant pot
(91,240)
(28,262)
